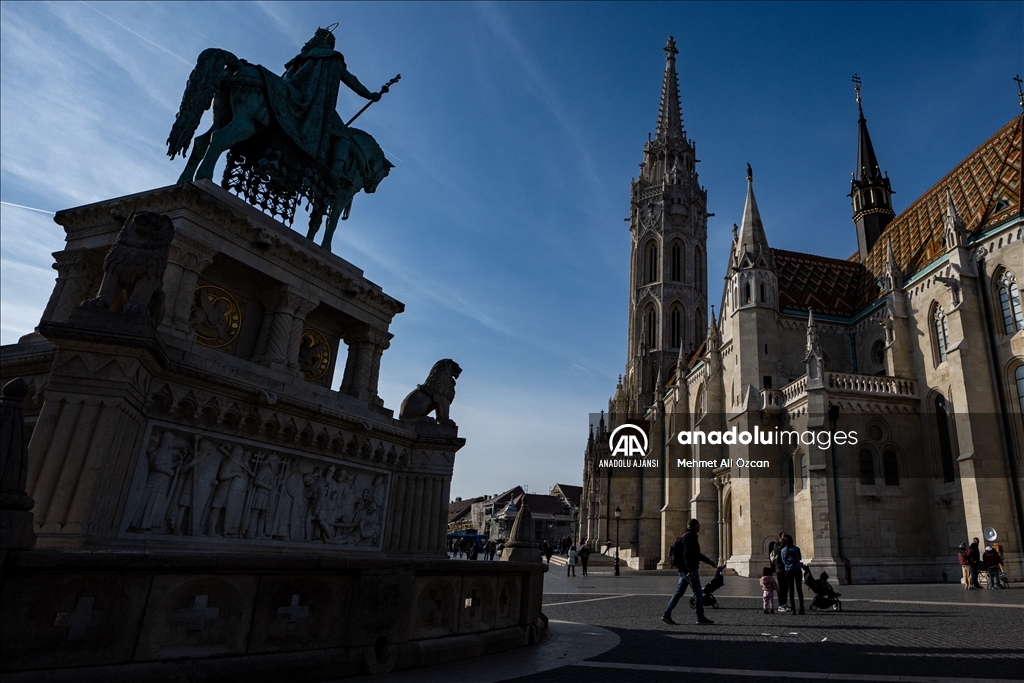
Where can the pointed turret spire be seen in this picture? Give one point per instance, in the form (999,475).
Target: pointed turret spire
(670,119)
(813,359)
(871,192)
(751,240)
(956,230)
(892,277)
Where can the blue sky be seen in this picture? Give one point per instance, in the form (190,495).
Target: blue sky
(515,131)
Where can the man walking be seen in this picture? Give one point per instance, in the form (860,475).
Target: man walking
(686,557)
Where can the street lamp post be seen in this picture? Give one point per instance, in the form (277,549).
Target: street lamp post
(618,514)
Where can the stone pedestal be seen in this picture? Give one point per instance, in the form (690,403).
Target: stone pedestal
(216,425)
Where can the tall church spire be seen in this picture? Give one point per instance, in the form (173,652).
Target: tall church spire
(871,192)
(668,272)
(670,119)
(751,241)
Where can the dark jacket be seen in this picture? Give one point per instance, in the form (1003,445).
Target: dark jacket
(791,557)
(991,559)
(776,560)
(690,557)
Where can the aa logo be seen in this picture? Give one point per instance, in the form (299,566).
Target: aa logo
(628,441)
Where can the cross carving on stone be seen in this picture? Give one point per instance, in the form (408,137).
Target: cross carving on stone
(198,614)
(82,618)
(294,611)
(433,606)
(473,602)
(503,600)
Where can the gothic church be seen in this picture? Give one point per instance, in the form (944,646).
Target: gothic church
(915,343)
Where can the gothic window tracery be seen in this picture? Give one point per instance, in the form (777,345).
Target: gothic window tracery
(651,326)
(945,443)
(677,262)
(1019,376)
(867,467)
(940,328)
(1009,303)
(651,274)
(698,269)
(677,326)
(890,468)
(804,477)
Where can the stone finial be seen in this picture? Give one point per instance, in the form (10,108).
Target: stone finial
(953,225)
(15,503)
(521,545)
(813,358)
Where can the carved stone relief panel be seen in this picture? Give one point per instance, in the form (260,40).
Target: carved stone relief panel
(189,483)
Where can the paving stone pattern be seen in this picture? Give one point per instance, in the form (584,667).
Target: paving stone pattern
(932,630)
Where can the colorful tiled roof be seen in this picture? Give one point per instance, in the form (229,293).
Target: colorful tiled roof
(827,285)
(986,188)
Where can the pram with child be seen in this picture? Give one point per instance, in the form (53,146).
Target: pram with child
(825,596)
(716,582)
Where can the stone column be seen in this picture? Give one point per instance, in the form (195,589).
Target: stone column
(287,309)
(187,260)
(15,504)
(86,441)
(366,345)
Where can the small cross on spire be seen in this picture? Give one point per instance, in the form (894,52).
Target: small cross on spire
(1020,92)
(670,48)
(856,86)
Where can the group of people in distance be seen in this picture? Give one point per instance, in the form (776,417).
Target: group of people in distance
(575,554)
(783,575)
(468,548)
(972,561)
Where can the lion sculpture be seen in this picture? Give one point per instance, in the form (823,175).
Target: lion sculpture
(133,270)
(435,394)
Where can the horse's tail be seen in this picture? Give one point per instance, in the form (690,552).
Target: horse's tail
(200,90)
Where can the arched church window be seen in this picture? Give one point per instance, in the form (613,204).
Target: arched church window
(878,352)
(746,293)
(652,263)
(677,327)
(1009,302)
(652,328)
(677,262)
(891,469)
(867,467)
(1019,376)
(941,329)
(945,443)
(789,472)
(803,472)
(762,293)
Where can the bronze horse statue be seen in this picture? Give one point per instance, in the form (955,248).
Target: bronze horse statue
(284,138)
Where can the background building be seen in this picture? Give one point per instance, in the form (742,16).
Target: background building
(916,342)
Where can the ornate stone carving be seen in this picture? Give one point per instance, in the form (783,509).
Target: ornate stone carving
(314,354)
(216,316)
(135,265)
(192,484)
(434,395)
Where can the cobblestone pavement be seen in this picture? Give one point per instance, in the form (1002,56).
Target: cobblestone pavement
(922,632)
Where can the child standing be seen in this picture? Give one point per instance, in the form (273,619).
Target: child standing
(768,587)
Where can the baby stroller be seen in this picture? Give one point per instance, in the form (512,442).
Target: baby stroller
(824,596)
(716,582)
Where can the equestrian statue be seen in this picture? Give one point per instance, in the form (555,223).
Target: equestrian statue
(284,138)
